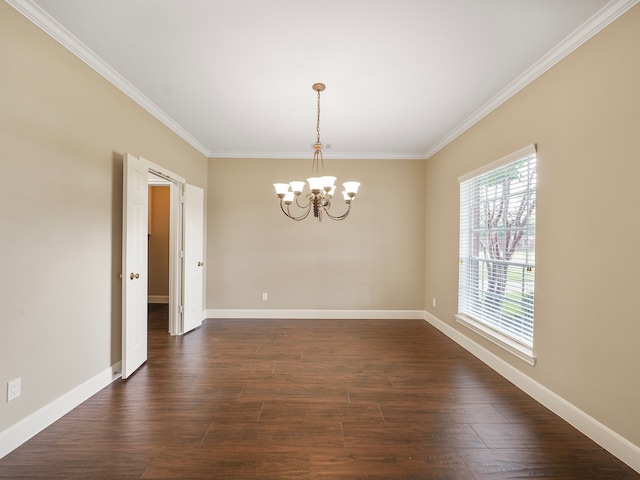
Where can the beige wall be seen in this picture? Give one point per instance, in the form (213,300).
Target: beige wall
(584,115)
(63,130)
(372,260)
(159,211)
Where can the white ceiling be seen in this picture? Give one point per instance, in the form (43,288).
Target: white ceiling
(404,77)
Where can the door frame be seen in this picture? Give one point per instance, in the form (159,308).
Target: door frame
(177,187)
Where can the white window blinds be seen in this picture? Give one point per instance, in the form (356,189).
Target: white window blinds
(497,245)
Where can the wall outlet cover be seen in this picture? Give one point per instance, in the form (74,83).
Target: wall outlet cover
(13,389)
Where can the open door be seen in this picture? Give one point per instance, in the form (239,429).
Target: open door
(193,256)
(134,264)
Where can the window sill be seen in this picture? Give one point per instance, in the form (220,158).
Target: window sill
(522,352)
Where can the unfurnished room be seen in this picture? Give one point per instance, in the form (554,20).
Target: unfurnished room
(284,239)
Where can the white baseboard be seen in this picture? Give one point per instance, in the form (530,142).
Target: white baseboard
(611,441)
(17,434)
(158,299)
(629,453)
(318,314)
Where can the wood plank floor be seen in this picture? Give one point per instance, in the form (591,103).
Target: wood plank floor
(310,399)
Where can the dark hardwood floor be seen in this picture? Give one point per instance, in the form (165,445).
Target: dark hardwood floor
(310,399)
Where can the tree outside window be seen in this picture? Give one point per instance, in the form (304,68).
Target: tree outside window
(497,248)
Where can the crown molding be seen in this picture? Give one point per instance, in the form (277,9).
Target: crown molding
(601,19)
(604,17)
(44,21)
(335,155)
(50,26)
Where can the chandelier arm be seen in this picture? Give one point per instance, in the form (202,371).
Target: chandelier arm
(287,212)
(302,206)
(338,217)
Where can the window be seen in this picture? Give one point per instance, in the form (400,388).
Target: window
(497,251)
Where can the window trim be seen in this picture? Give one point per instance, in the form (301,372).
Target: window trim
(518,349)
(512,157)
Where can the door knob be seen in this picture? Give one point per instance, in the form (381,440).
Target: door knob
(134,275)
(200,264)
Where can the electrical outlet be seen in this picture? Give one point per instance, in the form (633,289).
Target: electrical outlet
(265,296)
(13,389)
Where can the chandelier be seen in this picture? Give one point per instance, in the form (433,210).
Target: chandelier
(321,187)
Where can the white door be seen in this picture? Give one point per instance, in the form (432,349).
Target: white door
(193,256)
(134,264)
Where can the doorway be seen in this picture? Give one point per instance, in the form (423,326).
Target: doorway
(158,235)
(184,294)
(171,187)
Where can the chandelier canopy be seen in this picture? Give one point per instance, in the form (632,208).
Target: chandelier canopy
(321,187)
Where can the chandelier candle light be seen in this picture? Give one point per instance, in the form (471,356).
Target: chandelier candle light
(321,187)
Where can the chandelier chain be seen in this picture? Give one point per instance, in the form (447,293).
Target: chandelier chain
(318,120)
(317,167)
